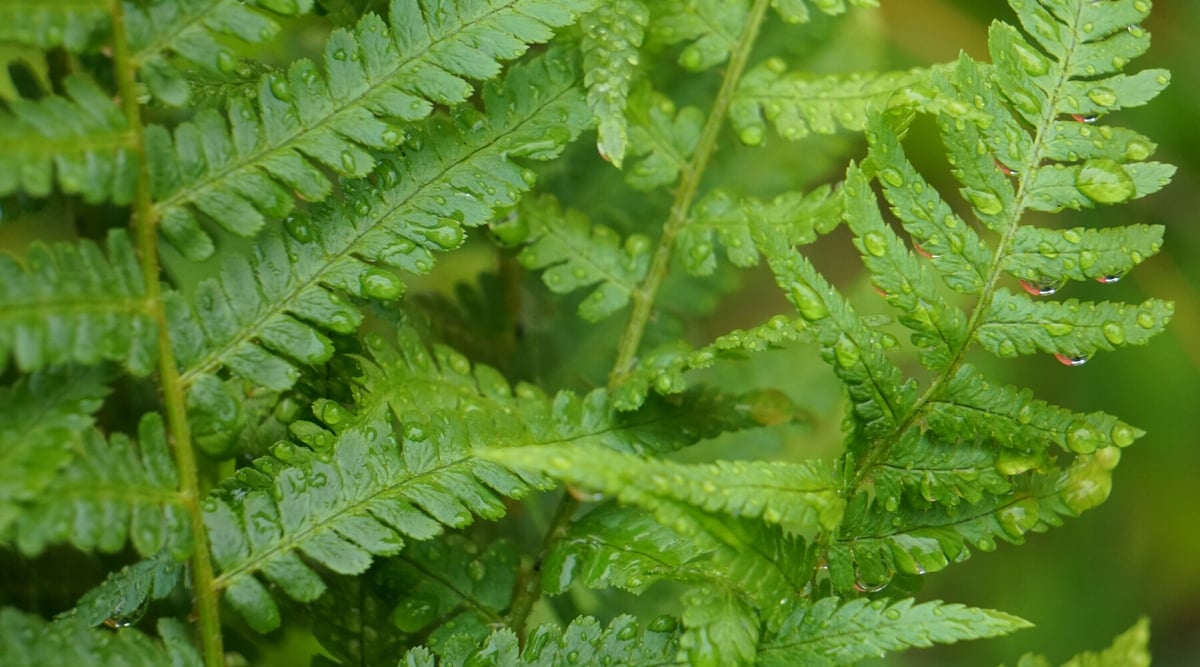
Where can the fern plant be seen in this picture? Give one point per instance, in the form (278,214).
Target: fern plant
(234,377)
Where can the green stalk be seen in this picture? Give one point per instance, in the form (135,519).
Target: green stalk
(172,390)
(689,182)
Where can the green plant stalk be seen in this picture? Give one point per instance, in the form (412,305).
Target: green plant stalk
(172,390)
(689,182)
(879,452)
(529,590)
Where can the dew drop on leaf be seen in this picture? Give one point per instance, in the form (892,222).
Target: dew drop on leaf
(1084,119)
(1043,287)
(985,202)
(1109,278)
(1072,360)
(380,284)
(627,633)
(1105,97)
(1105,181)
(663,623)
(1145,320)
(1114,333)
(808,302)
(875,244)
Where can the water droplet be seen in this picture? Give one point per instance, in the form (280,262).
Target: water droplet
(1033,62)
(808,302)
(985,202)
(1105,97)
(1043,287)
(226,62)
(1105,181)
(476,570)
(1072,360)
(279,88)
(1136,30)
(923,252)
(663,623)
(1058,328)
(340,54)
(299,229)
(446,237)
(1084,119)
(1137,150)
(1012,462)
(1114,333)
(381,284)
(846,352)
(875,243)
(348,162)
(1017,519)
(627,633)
(865,587)
(1123,435)
(1145,320)
(751,136)
(334,414)
(1110,278)
(892,504)
(892,177)
(1004,168)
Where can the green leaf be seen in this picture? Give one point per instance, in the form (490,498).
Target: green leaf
(169,38)
(41,417)
(80,143)
(575,254)
(122,598)
(240,174)
(75,25)
(796,216)
(1051,256)
(584,642)
(661,139)
(111,492)
(68,302)
(800,103)
(796,495)
(29,641)
(269,311)
(719,628)
(612,34)
(830,632)
(1015,324)
(941,471)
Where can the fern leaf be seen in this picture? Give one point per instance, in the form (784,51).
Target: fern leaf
(832,632)
(266,314)
(1052,256)
(371,619)
(662,368)
(612,34)
(70,303)
(122,598)
(899,273)
(1129,649)
(80,142)
(75,26)
(39,416)
(1012,417)
(28,641)
(791,494)
(798,217)
(719,628)
(576,254)
(660,138)
(196,32)
(111,492)
(1015,324)
(939,471)
(584,642)
(239,174)
(882,399)
(798,103)
(710,27)
(877,545)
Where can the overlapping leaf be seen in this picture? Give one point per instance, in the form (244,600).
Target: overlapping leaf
(268,313)
(75,25)
(68,302)
(240,173)
(612,34)
(661,138)
(1129,649)
(28,641)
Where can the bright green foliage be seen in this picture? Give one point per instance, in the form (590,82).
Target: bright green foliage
(330,443)
(79,142)
(1128,649)
(797,217)
(612,35)
(240,173)
(28,641)
(575,254)
(112,492)
(168,37)
(829,632)
(584,642)
(68,302)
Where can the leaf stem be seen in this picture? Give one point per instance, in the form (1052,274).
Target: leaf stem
(689,182)
(529,585)
(172,390)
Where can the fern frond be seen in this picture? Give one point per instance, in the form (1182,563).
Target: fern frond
(435,589)
(68,302)
(662,368)
(876,545)
(798,103)
(1079,253)
(584,642)
(238,174)
(76,25)
(798,217)
(28,641)
(80,142)
(110,492)
(575,254)
(796,495)
(39,416)
(661,138)
(196,32)
(939,471)
(266,314)
(832,632)
(1129,649)
(612,34)
(719,628)
(123,596)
